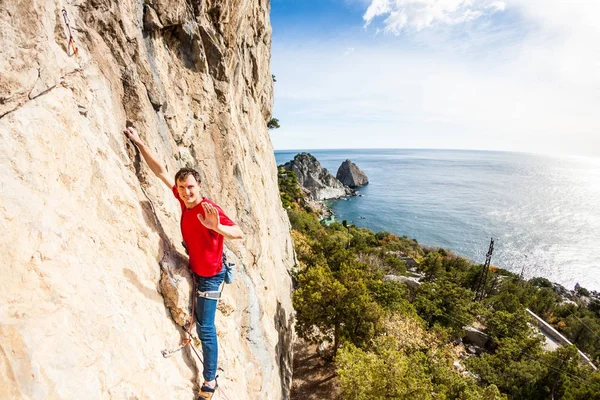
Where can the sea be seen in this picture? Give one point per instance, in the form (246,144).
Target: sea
(543,212)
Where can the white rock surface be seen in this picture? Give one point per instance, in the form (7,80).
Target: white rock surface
(90,238)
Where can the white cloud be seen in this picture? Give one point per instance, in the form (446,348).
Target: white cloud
(529,85)
(567,40)
(422,14)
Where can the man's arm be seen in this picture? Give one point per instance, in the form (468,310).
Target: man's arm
(230,232)
(156,167)
(212,221)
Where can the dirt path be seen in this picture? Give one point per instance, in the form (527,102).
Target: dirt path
(314,378)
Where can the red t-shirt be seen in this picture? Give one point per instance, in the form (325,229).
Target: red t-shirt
(204,245)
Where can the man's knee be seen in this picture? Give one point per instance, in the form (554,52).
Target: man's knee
(206,331)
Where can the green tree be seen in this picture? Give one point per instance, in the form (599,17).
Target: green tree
(446,303)
(387,374)
(543,302)
(583,385)
(306,223)
(362,239)
(514,367)
(317,303)
(393,243)
(391,295)
(502,324)
(289,189)
(336,307)
(562,368)
(432,266)
(334,246)
(541,282)
(513,295)
(392,264)
(273,123)
(583,330)
(394,371)
(361,317)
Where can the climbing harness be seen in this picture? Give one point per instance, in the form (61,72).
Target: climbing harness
(213,295)
(71,48)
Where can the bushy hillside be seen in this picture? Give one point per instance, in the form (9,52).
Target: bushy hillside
(392,341)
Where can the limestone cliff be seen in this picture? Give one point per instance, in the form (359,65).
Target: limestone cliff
(90,238)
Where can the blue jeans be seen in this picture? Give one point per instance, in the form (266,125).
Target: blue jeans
(205,323)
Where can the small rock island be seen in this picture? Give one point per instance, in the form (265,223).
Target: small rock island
(350,175)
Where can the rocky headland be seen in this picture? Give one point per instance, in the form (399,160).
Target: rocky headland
(315,179)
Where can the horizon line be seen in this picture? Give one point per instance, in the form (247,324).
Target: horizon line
(588,157)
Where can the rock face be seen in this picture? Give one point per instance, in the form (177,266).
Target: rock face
(412,283)
(320,184)
(350,175)
(94,279)
(476,337)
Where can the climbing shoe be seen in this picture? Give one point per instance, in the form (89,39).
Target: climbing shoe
(206,393)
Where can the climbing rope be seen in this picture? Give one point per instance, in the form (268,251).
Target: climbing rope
(167,353)
(213,295)
(71,48)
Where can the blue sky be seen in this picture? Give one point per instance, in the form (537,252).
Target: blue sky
(520,75)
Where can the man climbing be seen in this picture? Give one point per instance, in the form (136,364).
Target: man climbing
(204,225)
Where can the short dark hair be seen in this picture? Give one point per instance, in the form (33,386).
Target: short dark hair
(183,173)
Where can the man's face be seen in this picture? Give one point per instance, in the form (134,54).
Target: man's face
(189,191)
